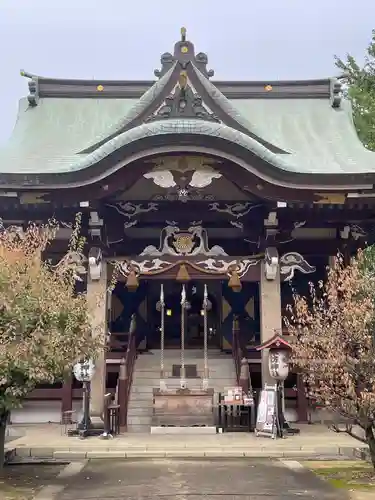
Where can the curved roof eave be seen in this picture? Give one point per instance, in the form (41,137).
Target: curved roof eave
(186,126)
(281,170)
(279,165)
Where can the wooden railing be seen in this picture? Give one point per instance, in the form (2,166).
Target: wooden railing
(236,349)
(240,359)
(125,378)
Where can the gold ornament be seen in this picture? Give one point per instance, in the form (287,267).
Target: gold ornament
(184,243)
(132,282)
(183,274)
(234,282)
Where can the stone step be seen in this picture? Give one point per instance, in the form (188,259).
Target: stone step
(190,381)
(137,419)
(138,411)
(139,428)
(142,390)
(218,386)
(147,377)
(168,367)
(155,372)
(144,402)
(176,353)
(140,403)
(143,360)
(216,365)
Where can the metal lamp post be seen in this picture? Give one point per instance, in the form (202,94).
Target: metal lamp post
(161,307)
(183,314)
(206,307)
(83,372)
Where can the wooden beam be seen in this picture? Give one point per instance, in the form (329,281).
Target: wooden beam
(237,246)
(67,394)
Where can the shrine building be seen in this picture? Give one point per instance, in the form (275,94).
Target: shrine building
(211,199)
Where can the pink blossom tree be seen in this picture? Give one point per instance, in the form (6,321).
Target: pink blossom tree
(334,348)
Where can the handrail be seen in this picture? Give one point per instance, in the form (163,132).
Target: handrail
(236,349)
(240,360)
(125,378)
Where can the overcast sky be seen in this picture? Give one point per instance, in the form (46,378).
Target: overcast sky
(122,39)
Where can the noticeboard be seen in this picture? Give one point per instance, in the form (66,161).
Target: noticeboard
(266,424)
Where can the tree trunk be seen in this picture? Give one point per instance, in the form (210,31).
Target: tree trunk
(370,438)
(3,425)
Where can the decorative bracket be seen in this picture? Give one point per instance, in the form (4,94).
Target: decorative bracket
(95,226)
(33,84)
(95,263)
(271,260)
(335,93)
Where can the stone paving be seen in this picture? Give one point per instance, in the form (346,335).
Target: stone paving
(49,442)
(237,479)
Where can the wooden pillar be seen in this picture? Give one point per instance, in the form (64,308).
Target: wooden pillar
(302,402)
(122,388)
(270,315)
(67,395)
(245,376)
(97,303)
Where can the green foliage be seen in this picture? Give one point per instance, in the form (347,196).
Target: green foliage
(44,325)
(361,89)
(368,261)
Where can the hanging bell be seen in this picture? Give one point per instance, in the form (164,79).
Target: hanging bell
(132,282)
(183,274)
(234,282)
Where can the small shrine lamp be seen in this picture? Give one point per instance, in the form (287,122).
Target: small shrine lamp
(84,372)
(278,364)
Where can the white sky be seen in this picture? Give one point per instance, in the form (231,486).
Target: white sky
(244,39)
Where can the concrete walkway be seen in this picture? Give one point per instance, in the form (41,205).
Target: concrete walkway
(48,441)
(169,479)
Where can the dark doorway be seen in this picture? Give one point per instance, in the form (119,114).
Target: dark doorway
(194,319)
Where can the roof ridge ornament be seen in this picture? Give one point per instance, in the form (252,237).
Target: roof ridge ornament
(183,102)
(184,54)
(33,85)
(335,87)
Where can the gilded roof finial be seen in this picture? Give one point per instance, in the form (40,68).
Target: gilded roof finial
(183,34)
(182,80)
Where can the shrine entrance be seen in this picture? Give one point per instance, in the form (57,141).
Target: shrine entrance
(193,315)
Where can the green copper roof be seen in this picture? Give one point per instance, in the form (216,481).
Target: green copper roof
(320,139)
(67,126)
(47,137)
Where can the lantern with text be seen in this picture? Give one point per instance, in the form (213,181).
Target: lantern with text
(278,365)
(278,356)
